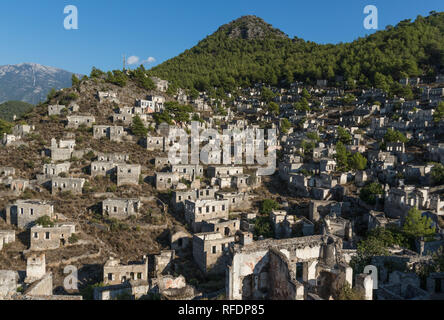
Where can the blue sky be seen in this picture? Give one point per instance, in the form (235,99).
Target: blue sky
(32,31)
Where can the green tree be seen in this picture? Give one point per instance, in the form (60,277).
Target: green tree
(369,192)
(439,112)
(262,227)
(138,128)
(52,94)
(349,98)
(268,205)
(75,81)
(285,125)
(142,79)
(273,107)
(437,174)
(305,94)
(416,225)
(393,135)
(302,105)
(342,156)
(267,95)
(358,161)
(344,136)
(5,127)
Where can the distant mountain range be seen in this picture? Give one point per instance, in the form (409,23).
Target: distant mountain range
(30,82)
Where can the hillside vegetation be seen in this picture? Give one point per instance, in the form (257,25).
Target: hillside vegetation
(10,108)
(248,50)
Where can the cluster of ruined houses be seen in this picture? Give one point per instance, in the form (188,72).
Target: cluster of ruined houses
(310,253)
(34,283)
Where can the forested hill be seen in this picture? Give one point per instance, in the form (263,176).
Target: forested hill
(248,50)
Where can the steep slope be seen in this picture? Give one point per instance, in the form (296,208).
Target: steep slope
(248,50)
(30,82)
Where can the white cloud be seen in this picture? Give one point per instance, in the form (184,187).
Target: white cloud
(149,60)
(133,60)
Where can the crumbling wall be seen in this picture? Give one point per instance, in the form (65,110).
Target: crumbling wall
(282,280)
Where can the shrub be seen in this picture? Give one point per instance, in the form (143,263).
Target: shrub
(74,238)
(262,227)
(268,205)
(369,192)
(45,221)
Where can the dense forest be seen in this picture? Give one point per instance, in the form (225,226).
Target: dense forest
(248,50)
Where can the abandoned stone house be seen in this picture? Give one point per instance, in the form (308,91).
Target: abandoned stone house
(80,120)
(187,171)
(136,289)
(436,152)
(50,238)
(162,162)
(154,143)
(327,165)
(73,185)
(227,228)
(285,269)
(179,197)
(35,267)
(123,118)
(110,96)
(339,227)
(151,104)
(298,183)
(121,208)
(62,150)
(224,171)
(395,148)
(6,236)
(116,273)
(114,133)
(210,251)
(54,110)
(241,182)
(19,185)
(287,226)
(285,168)
(166,180)
(10,139)
(102,168)
(55,169)
(128,174)
(7,171)
(398,201)
(21,130)
(180,239)
(239,201)
(320,208)
(203,210)
(112,157)
(23,213)
(161,85)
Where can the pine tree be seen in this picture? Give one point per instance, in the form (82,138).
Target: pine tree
(138,128)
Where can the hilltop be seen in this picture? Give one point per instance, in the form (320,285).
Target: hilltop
(248,50)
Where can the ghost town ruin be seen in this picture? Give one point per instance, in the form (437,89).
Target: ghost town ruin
(92,180)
